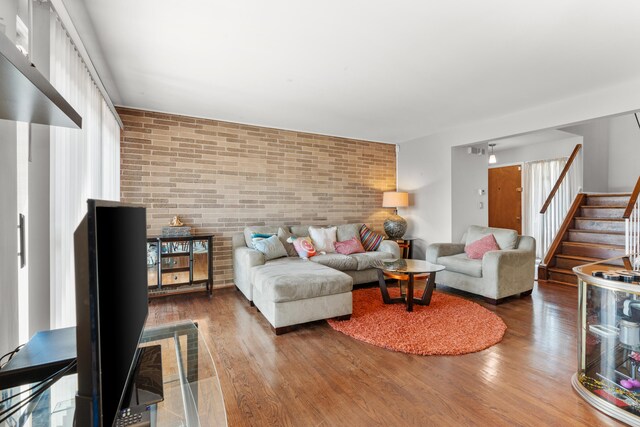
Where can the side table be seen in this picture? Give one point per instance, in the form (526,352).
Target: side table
(406,247)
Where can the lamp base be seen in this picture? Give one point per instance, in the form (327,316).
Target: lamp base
(395,226)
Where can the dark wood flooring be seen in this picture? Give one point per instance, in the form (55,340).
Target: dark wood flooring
(315,376)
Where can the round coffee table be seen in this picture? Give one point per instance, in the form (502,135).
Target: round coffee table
(407,270)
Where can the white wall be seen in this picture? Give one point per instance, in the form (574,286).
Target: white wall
(624,153)
(426,174)
(469,173)
(595,155)
(553,149)
(424,164)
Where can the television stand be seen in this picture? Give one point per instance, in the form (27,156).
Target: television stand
(192,394)
(46,353)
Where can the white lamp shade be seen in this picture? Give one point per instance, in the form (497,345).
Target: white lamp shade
(395,199)
(492,159)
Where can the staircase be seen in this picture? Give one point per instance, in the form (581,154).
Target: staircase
(594,230)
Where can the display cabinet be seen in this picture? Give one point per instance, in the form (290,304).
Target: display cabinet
(179,264)
(608,374)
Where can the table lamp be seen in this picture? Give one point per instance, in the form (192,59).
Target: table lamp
(395,226)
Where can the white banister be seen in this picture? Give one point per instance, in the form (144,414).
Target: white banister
(632,227)
(632,236)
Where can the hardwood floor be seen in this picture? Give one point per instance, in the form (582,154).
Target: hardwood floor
(315,376)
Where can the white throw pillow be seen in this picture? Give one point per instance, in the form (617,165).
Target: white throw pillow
(323,238)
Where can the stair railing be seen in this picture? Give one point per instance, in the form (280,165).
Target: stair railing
(554,225)
(632,227)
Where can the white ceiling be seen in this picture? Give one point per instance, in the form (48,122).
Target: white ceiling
(379,70)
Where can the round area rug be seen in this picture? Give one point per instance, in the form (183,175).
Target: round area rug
(448,326)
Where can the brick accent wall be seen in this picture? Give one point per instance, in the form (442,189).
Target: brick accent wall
(220,177)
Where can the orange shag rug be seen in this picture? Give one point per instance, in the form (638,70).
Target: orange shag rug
(448,326)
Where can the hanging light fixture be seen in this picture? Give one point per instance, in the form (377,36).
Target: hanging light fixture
(492,157)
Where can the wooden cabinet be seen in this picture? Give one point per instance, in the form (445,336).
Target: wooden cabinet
(179,264)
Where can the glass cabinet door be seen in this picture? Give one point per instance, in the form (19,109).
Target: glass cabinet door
(201,260)
(176,259)
(152,264)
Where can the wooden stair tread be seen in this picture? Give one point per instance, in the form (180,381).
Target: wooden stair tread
(608,194)
(595,245)
(590,218)
(579,230)
(605,206)
(561,270)
(587,259)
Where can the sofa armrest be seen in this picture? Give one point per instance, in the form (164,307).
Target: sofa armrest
(243,260)
(247,257)
(513,268)
(389,246)
(436,250)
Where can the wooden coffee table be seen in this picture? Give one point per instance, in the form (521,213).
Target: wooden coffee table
(407,270)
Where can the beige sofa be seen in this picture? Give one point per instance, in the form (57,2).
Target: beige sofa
(499,274)
(290,291)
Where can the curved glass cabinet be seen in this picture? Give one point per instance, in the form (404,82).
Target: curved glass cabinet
(608,375)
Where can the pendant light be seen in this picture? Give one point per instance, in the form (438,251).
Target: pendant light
(492,157)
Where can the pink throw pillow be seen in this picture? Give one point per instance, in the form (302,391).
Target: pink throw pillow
(348,247)
(477,249)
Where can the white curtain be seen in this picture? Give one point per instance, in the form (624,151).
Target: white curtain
(539,179)
(85,163)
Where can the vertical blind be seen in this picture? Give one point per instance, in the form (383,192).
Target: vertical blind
(85,163)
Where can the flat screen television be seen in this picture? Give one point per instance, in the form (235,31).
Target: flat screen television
(111,306)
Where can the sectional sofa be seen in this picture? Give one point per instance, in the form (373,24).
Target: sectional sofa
(289,291)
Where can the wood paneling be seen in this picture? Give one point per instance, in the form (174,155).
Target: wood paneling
(505,197)
(315,376)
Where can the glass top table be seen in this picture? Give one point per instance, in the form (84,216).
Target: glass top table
(192,393)
(407,270)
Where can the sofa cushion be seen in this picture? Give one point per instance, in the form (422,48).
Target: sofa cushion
(323,238)
(461,264)
(272,248)
(293,280)
(283,235)
(348,231)
(300,230)
(337,261)
(348,247)
(507,239)
(304,246)
(367,259)
(369,238)
(477,249)
(259,229)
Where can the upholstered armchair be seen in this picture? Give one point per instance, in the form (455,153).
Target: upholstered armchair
(498,275)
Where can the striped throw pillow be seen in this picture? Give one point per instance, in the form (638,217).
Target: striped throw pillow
(370,239)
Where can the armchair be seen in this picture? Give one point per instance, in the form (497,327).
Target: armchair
(498,275)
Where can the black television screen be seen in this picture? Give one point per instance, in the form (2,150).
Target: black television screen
(111,305)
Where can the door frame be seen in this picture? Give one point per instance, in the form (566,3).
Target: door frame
(504,165)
